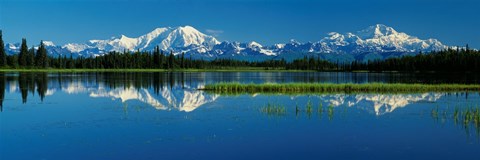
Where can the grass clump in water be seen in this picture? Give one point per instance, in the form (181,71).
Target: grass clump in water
(468,116)
(435,113)
(320,108)
(274,109)
(330,111)
(309,107)
(337,88)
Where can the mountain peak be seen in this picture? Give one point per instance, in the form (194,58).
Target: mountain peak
(187,27)
(183,38)
(376,31)
(376,39)
(253,44)
(158,31)
(48,43)
(188,30)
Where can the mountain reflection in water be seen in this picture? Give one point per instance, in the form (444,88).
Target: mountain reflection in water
(177,90)
(147,115)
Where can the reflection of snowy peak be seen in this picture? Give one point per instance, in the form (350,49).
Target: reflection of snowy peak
(127,94)
(185,99)
(176,98)
(381,103)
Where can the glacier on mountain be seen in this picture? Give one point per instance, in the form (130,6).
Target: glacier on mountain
(374,41)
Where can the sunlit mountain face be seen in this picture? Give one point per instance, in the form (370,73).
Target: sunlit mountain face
(167,91)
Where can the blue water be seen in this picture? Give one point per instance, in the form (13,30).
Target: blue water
(163,116)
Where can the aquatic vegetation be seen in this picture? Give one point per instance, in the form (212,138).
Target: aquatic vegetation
(467,117)
(274,109)
(337,88)
(280,110)
(435,113)
(330,111)
(309,107)
(320,108)
(455,113)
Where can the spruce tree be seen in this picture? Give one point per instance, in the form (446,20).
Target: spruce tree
(22,56)
(71,64)
(31,57)
(183,60)
(171,60)
(156,57)
(162,60)
(41,57)
(3,55)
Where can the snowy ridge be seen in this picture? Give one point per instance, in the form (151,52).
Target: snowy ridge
(176,39)
(377,41)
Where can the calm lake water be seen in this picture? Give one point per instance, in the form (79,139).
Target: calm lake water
(164,116)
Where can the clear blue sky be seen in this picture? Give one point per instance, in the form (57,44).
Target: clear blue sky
(454,22)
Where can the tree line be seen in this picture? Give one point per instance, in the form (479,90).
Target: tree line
(449,60)
(156,59)
(26,58)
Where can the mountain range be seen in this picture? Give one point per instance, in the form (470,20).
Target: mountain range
(375,42)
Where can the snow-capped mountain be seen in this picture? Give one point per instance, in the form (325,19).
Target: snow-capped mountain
(375,42)
(54,50)
(180,39)
(378,38)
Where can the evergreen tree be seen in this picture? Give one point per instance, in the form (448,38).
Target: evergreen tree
(162,60)
(12,61)
(183,60)
(31,57)
(3,55)
(22,56)
(71,63)
(156,57)
(171,60)
(41,58)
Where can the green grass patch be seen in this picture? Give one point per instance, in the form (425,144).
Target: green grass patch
(232,88)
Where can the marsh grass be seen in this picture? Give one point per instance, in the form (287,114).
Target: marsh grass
(466,117)
(232,88)
(330,111)
(435,113)
(274,109)
(309,108)
(320,108)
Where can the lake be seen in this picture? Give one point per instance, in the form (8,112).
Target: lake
(163,116)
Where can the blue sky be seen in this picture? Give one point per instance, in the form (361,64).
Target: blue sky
(454,22)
